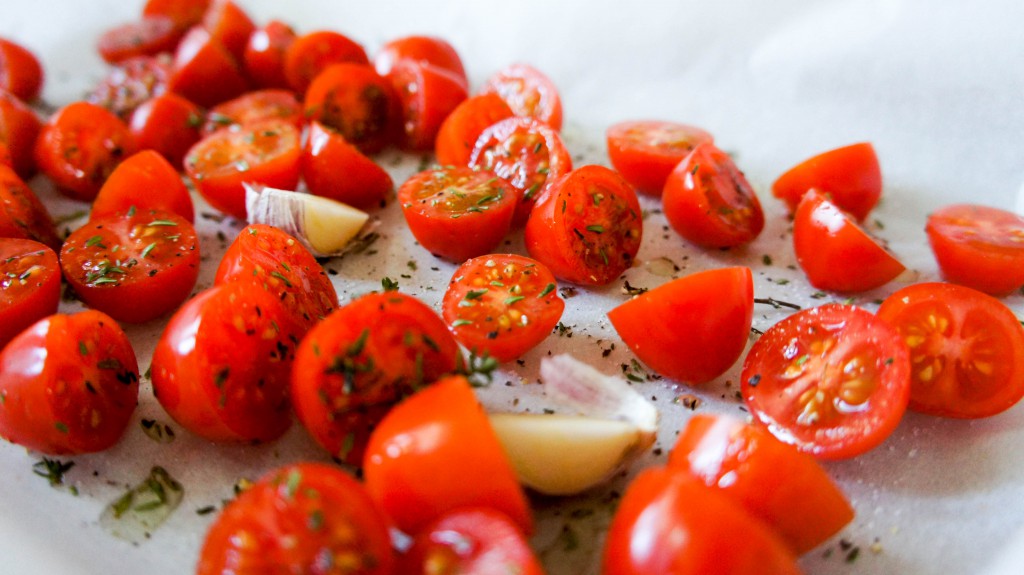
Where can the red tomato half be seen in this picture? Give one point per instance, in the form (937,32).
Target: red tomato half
(850,175)
(475,540)
(427,94)
(255,106)
(431,49)
(833,380)
(503,305)
(357,102)
(135,266)
(708,201)
(458,213)
(263,59)
(772,480)
(646,151)
(19,128)
(131,83)
(306,518)
(528,92)
(230,25)
(311,53)
(463,126)
(691,329)
(145,181)
(435,453)
(672,524)
(68,384)
(20,71)
(146,37)
(824,236)
(966,349)
(185,13)
(167,124)
(979,247)
(205,71)
(22,215)
(587,227)
(29,285)
(334,168)
(222,366)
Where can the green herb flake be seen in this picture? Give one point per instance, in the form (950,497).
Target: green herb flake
(52,469)
(461,322)
(597,229)
(159,223)
(136,513)
(389,284)
(547,289)
(82,348)
(475,294)
(281,277)
(146,251)
(95,241)
(513,299)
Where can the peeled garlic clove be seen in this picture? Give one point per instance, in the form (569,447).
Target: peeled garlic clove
(324,226)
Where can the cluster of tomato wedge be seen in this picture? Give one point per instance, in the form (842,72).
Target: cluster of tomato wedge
(198,87)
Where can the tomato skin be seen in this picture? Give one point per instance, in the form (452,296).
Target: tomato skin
(22,215)
(431,49)
(434,453)
(646,151)
(850,175)
(463,126)
(20,71)
(709,202)
(185,13)
(355,364)
(146,181)
(146,37)
(29,285)
(230,25)
(471,540)
(334,168)
(502,304)
(528,92)
(19,128)
(167,124)
(965,349)
(70,384)
(222,365)
(309,54)
(266,152)
(205,71)
(300,518)
(135,266)
(458,213)
(263,59)
(586,228)
(80,146)
(131,83)
(691,329)
(823,235)
(772,480)
(253,107)
(427,94)
(357,102)
(978,247)
(672,524)
(833,380)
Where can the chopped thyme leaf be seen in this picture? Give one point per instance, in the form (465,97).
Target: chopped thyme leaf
(149,248)
(461,322)
(513,299)
(475,294)
(162,223)
(547,289)
(281,277)
(389,284)
(52,469)
(596,229)
(95,241)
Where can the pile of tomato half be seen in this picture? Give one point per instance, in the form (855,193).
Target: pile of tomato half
(201,101)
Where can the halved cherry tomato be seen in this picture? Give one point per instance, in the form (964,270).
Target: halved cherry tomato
(263,59)
(205,71)
(131,83)
(431,49)
(230,25)
(134,266)
(311,53)
(472,540)
(833,380)
(80,146)
(20,71)
(427,94)
(22,215)
(302,518)
(253,107)
(357,102)
(458,213)
(222,366)
(528,92)
(502,305)
(463,126)
(29,285)
(146,37)
(68,384)
(527,153)
(824,236)
(145,181)
(979,247)
(708,201)
(276,261)
(185,13)
(355,364)
(587,227)
(333,168)
(646,151)
(672,524)
(266,152)
(850,175)
(19,128)
(691,329)
(435,453)
(966,349)
(772,480)
(167,124)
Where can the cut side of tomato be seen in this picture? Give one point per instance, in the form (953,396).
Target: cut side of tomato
(148,36)
(529,92)
(850,175)
(255,106)
(646,151)
(978,246)
(131,83)
(29,285)
(357,102)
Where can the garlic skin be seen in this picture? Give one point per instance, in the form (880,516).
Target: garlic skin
(324,226)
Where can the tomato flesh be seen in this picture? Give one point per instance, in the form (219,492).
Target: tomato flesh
(979,247)
(645,151)
(529,92)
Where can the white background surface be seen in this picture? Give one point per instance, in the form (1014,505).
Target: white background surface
(938,87)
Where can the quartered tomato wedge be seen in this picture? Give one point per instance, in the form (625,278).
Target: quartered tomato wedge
(68,384)
(22,215)
(431,49)
(979,247)
(587,227)
(253,107)
(145,181)
(528,92)
(427,95)
(29,285)
(850,175)
(131,83)
(458,213)
(20,71)
(168,124)
(708,201)
(833,380)
(19,128)
(263,59)
(334,168)
(646,151)
(357,102)
(502,305)
(463,126)
(823,235)
(966,349)
(311,53)
(146,37)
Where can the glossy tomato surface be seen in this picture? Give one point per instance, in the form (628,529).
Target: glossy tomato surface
(529,92)
(253,107)
(978,246)
(850,175)
(263,58)
(310,53)
(21,73)
(29,285)
(833,380)
(463,126)
(69,384)
(204,70)
(167,124)
(132,82)
(145,181)
(966,349)
(334,168)
(356,101)
(22,215)
(147,36)
(19,128)
(427,95)
(431,49)
(646,151)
